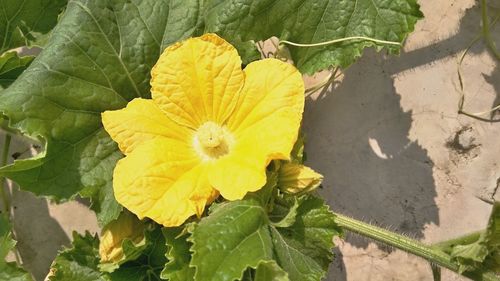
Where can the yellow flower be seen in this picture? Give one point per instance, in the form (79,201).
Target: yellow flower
(127,226)
(211,128)
(295,178)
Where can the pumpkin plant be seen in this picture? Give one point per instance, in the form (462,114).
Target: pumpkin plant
(186,142)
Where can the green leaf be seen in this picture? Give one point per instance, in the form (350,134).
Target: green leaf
(234,237)
(178,255)
(315,21)
(484,253)
(11,66)
(109,48)
(22,21)
(270,271)
(284,212)
(9,271)
(239,235)
(78,263)
(304,250)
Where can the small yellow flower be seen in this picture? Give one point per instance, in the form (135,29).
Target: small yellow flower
(127,226)
(211,128)
(295,178)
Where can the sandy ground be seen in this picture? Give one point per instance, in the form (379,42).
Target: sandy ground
(390,143)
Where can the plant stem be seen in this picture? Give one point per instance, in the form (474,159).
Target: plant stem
(3,193)
(408,245)
(334,41)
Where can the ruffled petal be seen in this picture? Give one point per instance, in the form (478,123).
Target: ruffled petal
(140,122)
(265,124)
(162,179)
(198,80)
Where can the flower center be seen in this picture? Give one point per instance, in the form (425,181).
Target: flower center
(212,141)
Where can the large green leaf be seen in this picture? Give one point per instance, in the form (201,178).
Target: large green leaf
(11,66)
(231,239)
(22,21)
(239,235)
(98,58)
(9,271)
(314,21)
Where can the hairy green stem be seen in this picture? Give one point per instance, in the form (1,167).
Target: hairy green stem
(3,193)
(486,30)
(431,254)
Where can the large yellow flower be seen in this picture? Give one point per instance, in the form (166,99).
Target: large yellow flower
(210,128)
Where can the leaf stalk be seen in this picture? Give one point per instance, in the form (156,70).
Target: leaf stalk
(431,254)
(3,193)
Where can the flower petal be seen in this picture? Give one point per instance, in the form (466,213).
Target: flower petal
(127,226)
(265,123)
(272,87)
(140,122)
(198,80)
(237,174)
(297,179)
(162,179)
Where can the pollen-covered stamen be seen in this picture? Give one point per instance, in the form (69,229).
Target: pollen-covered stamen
(210,135)
(212,141)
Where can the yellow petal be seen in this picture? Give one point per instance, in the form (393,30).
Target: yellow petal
(241,172)
(127,226)
(162,179)
(296,178)
(272,87)
(265,125)
(140,122)
(198,80)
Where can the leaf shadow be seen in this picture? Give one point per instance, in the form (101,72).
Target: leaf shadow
(357,135)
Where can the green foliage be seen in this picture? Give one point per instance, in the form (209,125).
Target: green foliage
(11,66)
(80,262)
(314,21)
(21,22)
(270,271)
(9,271)
(484,253)
(108,48)
(178,255)
(239,235)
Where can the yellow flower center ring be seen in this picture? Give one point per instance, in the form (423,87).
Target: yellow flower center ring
(210,129)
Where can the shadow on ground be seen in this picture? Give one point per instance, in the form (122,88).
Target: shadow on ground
(44,232)
(357,135)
